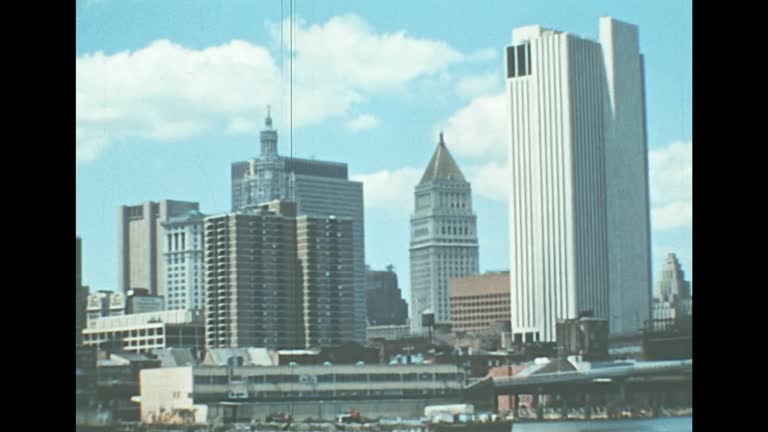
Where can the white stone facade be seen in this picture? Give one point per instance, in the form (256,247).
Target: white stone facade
(182,239)
(443,237)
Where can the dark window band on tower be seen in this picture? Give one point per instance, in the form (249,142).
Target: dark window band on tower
(511,62)
(521,60)
(528,56)
(518,60)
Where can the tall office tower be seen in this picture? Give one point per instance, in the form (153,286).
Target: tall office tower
(443,236)
(325,255)
(81,294)
(385,303)
(252,286)
(578,208)
(183,261)
(140,245)
(672,284)
(319,189)
(672,298)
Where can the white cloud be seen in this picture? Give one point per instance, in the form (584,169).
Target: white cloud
(479,85)
(239,125)
(478,130)
(390,190)
(492,180)
(362,122)
(346,49)
(671,178)
(483,55)
(89,145)
(165,91)
(673,215)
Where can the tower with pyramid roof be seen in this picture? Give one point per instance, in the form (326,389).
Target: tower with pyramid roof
(443,236)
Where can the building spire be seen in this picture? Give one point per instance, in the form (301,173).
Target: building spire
(442,166)
(268,137)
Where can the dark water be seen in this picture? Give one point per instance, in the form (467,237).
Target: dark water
(666,424)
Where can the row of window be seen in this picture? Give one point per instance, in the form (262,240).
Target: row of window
(477,304)
(453,200)
(153,331)
(330,394)
(96,339)
(501,316)
(329,378)
(519,60)
(452,230)
(480,297)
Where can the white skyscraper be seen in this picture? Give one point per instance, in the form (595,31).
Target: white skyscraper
(579,219)
(443,236)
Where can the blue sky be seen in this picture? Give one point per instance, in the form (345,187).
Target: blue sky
(170,93)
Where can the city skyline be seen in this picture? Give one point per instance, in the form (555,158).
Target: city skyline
(384,130)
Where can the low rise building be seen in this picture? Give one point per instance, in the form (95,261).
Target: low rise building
(320,391)
(175,357)
(386,306)
(479,302)
(139,300)
(586,337)
(240,356)
(118,383)
(140,333)
(104,304)
(388,332)
(86,401)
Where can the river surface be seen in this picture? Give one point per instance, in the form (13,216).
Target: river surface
(664,424)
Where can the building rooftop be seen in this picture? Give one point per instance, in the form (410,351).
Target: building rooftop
(250,356)
(442,166)
(142,319)
(175,357)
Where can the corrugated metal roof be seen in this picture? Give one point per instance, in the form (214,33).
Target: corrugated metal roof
(175,357)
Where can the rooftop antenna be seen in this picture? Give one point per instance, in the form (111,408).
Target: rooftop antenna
(291,180)
(291,79)
(282,71)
